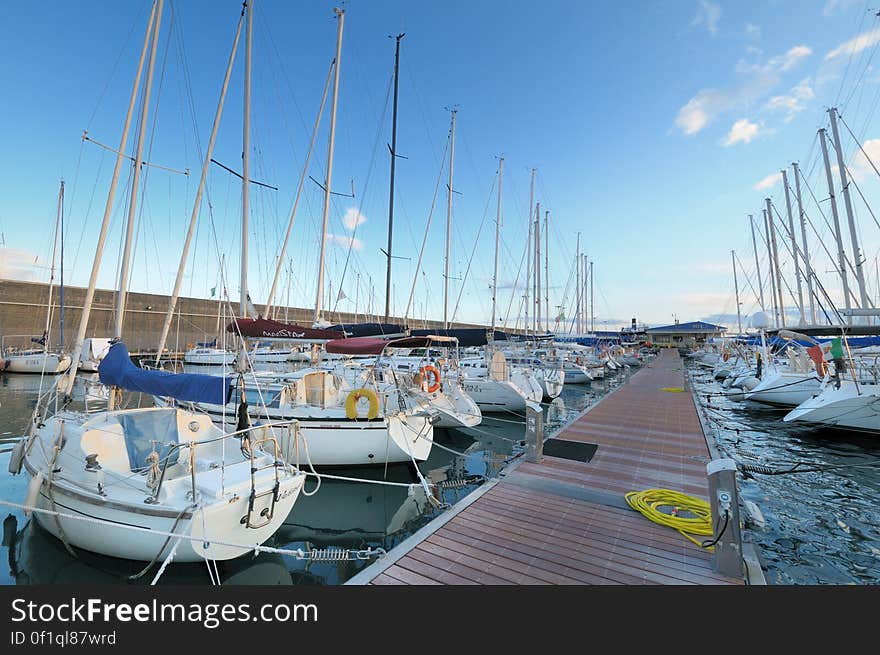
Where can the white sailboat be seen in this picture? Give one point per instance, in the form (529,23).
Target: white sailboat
(41,361)
(151,483)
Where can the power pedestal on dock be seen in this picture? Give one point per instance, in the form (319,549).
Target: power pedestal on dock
(724,501)
(534,433)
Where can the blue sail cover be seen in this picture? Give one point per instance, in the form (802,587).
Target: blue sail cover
(118,370)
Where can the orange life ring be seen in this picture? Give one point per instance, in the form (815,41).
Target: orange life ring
(435,374)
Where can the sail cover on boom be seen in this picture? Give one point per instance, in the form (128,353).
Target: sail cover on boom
(263,328)
(117,369)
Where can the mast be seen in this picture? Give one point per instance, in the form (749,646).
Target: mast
(391,193)
(577,293)
(794,248)
(135,180)
(586,317)
(61,287)
(841,256)
(497,238)
(546,272)
(193,219)
(858,260)
(52,268)
(592,313)
(66,384)
(776,261)
(538,268)
(770,266)
(246,159)
(758,261)
(528,248)
(739,325)
(808,271)
(327,180)
(453,112)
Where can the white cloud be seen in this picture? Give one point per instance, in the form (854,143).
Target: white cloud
(793,102)
(742,131)
(753,31)
(860,161)
(757,81)
(768,182)
(694,116)
(353,218)
(20,265)
(345,241)
(708,14)
(856,44)
(831,6)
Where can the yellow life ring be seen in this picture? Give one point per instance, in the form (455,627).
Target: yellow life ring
(357,394)
(434,372)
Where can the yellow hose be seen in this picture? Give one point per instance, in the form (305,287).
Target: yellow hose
(665,506)
(672,389)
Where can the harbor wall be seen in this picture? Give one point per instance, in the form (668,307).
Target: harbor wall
(23,315)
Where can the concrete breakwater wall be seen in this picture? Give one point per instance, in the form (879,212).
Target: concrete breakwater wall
(23,308)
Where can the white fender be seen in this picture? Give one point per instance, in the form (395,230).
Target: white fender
(16,458)
(33,492)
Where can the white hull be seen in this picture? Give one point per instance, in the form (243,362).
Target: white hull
(785,389)
(209,358)
(551,381)
(493,396)
(124,516)
(39,363)
(841,408)
(339,441)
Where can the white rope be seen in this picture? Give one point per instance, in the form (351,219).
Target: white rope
(165,563)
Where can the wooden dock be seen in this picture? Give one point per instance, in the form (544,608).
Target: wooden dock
(564,521)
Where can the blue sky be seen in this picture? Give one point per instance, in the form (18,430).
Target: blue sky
(651,127)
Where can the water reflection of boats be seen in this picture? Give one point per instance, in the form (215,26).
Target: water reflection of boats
(36,557)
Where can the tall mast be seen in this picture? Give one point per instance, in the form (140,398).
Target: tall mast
(537,268)
(586,317)
(453,112)
(546,273)
(66,385)
(794,248)
(529,247)
(592,313)
(193,219)
(61,287)
(497,238)
(327,180)
(776,261)
(841,256)
(773,296)
(739,325)
(858,260)
(246,159)
(808,271)
(758,263)
(299,189)
(52,267)
(391,193)
(577,293)
(135,180)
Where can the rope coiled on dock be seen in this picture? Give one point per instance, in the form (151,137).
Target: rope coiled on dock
(652,502)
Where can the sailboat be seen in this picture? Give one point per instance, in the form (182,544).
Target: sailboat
(154,482)
(42,360)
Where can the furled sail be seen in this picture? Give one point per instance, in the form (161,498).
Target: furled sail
(117,369)
(263,328)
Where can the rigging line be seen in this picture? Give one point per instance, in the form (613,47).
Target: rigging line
(474,249)
(859,144)
(427,228)
(351,242)
(864,55)
(851,55)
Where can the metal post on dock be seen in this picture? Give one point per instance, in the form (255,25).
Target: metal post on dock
(534,433)
(724,501)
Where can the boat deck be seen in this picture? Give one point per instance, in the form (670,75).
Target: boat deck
(565,521)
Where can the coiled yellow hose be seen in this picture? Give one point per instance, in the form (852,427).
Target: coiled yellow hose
(665,506)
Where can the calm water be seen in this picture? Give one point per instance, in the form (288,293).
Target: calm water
(352,515)
(821,527)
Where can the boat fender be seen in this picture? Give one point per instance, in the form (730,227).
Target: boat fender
(435,374)
(357,394)
(33,492)
(16,458)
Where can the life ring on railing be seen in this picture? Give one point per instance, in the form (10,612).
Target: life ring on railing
(357,394)
(435,374)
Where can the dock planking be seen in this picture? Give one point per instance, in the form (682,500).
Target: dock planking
(561,522)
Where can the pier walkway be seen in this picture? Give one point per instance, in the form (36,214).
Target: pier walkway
(566,521)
